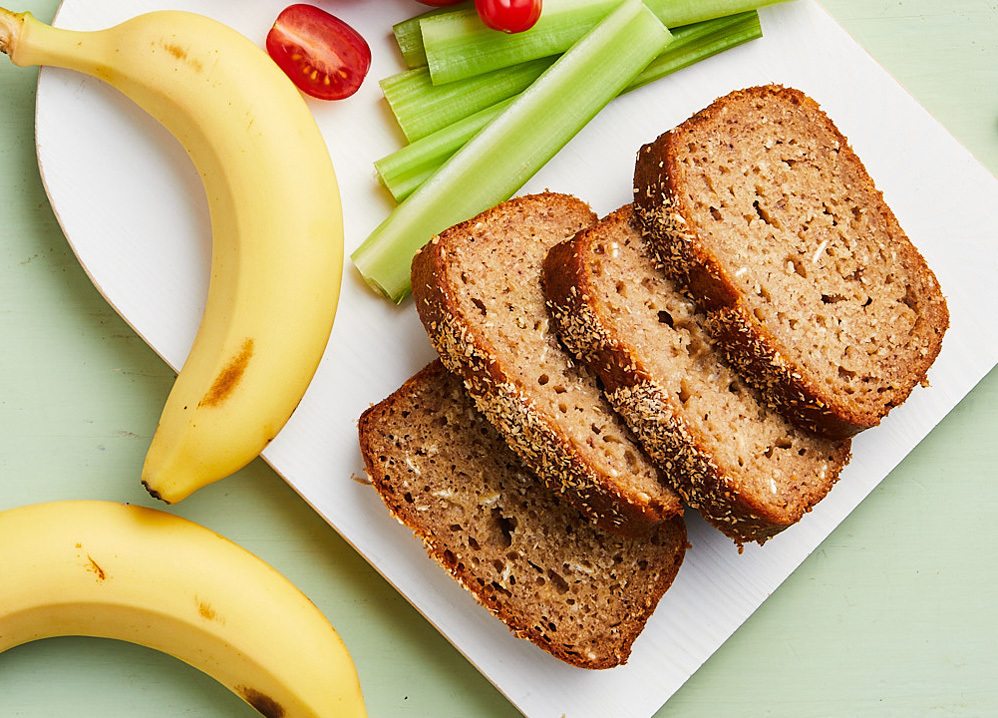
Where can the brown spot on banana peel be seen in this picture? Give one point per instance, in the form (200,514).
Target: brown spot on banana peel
(207,612)
(229,377)
(264,704)
(181,54)
(95,568)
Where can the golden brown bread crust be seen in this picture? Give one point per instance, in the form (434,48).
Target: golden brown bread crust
(465,350)
(664,207)
(409,462)
(751,348)
(651,409)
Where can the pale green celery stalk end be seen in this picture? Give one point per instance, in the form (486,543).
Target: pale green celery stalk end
(409,36)
(401,186)
(454,31)
(410,42)
(508,151)
(421,108)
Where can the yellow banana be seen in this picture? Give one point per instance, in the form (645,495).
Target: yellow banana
(97,568)
(276,222)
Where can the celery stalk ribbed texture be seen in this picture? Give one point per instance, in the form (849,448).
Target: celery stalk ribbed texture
(404,170)
(421,108)
(502,157)
(409,36)
(457,44)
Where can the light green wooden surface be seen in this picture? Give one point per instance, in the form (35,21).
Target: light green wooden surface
(894,615)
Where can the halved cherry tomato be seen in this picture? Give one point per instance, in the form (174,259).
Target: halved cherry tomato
(509,15)
(323,56)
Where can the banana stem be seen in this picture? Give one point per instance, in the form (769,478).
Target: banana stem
(10,30)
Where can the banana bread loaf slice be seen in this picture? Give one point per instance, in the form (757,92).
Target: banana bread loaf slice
(746,468)
(478,293)
(578,592)
(815,291)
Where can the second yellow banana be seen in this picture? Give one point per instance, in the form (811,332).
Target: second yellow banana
(97,568)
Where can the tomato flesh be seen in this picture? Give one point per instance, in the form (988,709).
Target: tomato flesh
(509,15)
(324,57)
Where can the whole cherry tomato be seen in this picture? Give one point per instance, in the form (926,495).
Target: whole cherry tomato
(509,15)
(323,56)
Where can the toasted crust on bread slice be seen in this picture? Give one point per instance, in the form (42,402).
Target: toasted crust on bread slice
(578,592)
(814,291)
(478,293)
(747,469)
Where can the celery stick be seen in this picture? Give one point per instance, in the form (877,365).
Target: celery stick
(410,41)
(410,38)
(505,154)
(450,39)
(420,108)
(406,168)
(458,45)
(698,41)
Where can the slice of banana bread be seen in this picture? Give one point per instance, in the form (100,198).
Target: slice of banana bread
(748,470)
(477,290)
(815,291)
(578,592)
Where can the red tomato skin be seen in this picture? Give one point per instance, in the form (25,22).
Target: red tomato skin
(306,41)
(509,15)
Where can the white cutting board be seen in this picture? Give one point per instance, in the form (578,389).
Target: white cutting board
(132,207)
